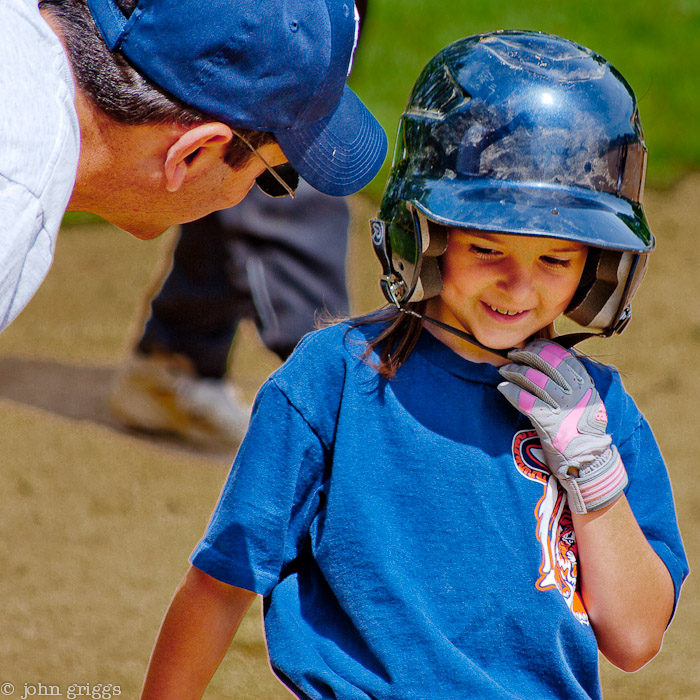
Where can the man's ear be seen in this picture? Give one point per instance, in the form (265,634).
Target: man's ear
(182,154)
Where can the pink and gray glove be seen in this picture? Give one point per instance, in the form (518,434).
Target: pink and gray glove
(551,387)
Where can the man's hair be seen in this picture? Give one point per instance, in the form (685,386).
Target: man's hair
(118,90)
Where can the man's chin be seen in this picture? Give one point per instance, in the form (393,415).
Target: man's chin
(142,231)
(148,235)
(140,223)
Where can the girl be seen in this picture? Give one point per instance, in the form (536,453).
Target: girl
(414,532)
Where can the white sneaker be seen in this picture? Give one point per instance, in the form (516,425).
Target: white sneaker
(161,394)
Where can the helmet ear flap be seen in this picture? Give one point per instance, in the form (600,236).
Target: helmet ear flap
(433,242)
(429,281)
(437,236)
(609,281)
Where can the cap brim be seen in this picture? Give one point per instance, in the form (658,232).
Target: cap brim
(594,218)
(340,154)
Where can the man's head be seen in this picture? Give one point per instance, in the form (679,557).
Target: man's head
(275,77)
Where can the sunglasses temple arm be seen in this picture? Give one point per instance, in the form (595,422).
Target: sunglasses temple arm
(270,169)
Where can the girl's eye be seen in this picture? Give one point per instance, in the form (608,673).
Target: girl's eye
(481,252)
(555,262)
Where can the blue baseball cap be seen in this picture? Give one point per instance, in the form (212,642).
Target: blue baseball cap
(270,65)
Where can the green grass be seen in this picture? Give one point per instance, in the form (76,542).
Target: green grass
(654,45)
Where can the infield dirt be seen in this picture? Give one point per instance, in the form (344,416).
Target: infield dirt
(98,523)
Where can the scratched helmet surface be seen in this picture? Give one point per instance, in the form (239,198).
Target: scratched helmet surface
(524,133)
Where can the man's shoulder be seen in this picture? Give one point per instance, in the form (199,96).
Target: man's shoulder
(40,131)
(39,149)
(21,20)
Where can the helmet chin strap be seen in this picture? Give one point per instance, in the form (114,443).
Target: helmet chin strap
(567,341)
(455,331)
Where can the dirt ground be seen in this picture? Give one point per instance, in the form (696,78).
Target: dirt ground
(98,523)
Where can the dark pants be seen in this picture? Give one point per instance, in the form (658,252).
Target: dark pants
(278,262)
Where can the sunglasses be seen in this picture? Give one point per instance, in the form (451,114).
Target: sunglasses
(276,181)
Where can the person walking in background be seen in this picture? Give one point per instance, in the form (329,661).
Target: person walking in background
(279,262)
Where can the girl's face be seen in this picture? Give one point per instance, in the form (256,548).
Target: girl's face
(503,288)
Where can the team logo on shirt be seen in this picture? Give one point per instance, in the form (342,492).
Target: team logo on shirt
(554,527)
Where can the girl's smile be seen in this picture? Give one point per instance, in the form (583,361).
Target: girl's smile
(505,314)
(504,288)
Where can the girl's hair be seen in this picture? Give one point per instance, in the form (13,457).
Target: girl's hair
(397,338)
(399,335)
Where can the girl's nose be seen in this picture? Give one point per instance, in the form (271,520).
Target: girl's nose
(516,281)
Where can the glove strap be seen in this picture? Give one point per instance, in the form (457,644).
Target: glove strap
(598,484)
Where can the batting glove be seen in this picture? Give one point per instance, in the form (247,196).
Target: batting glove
(551,387)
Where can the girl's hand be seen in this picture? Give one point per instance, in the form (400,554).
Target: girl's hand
(551,387)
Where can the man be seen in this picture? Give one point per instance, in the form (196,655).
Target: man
(150,113)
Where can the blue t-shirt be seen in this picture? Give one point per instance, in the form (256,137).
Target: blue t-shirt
(406,535)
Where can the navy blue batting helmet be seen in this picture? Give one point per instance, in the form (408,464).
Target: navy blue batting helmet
(525,133)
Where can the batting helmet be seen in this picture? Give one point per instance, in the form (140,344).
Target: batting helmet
(524,133)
